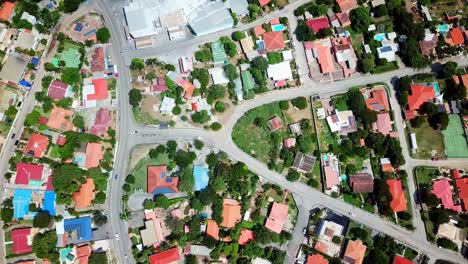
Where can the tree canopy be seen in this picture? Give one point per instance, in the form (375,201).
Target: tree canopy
(103,35)
(360,19)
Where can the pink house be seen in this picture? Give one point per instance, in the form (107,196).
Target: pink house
(277,217)
(443,190)
(331,177)
(101,124)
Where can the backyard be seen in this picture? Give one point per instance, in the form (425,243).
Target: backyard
(455,139)
(430,142)
(325,136)
(140,171)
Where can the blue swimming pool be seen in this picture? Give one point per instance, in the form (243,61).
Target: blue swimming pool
(379,37)
(436,88)
(443,28)
(278,27)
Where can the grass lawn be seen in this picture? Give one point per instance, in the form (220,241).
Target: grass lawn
(401,222)
(54,152)
(144,118)
(340,103)
(425,174)
(428,225)
(248,224)
(428,139)
(390,66)
(68,44)
(255,140)
(292,207)
(455,139)
(353,224)
(410,253)
(356,201)
(140,171)
(9,250)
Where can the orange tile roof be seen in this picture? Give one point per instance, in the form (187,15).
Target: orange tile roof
(157,225)
(83,252)
(231,213)
(398,203)
(347,5)
(158,180)
(455,37)
(264,2)
(325,58)
(6,11)
(355,251)
(419,95)
(387,167)
(274,40)
(94,154)
(60,119)
(84,197)
(169,256)
(246,236)
(378,101)
(212,229)
(259,30)
(322,247)
(277,217)
(316,259)
(37,145)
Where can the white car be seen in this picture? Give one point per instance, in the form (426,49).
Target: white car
(125,254)
(116,236)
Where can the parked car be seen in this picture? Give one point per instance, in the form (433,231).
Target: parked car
(116,176)
(116,236)
(13,135)
(16,142)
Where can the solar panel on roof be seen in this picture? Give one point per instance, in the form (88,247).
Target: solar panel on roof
(261,45)
(386,49)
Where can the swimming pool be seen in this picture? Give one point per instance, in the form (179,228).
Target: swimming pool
(278,27)
(379,37)
(436,88)
(325,157)
(443,28)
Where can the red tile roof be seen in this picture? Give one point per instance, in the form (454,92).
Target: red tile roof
(94,154)
(26,172)
(212,229)
(274,40)
(165,257)
(264,2)
(277,217)
(100,90)
(316,259)
(347,5)
(37,145)
(322,247)
(378,101)
(159,85)
(318,23)
(419,95)
(159,181)
(398,203)
(275,123)
(462,185)
(6,11)
(97,60)
(50,186)
(101,123)
(361,182)
(331,176)
(455,37)
(246,236)
(409,114)
(83,253)
(85,196)
(456,173)
(442,189)
(401,260)
(60,119)
(259,30)
(61,140)
(231,213)
(325,58)
(275,21)
(188,88)
(289,142)
(355,251)
(20,240)
(384,123)
(57,90)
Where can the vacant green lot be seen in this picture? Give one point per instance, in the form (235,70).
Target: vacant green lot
(455,139)
(428,140)
(140,171)
(425,174)
(253,139)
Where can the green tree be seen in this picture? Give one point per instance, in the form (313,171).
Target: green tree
(184,158)
(6,214)
(198,144)
(220,107)
(360,19)
(44,246)
(215,126)
(100,198)
(274,57)
(380,11)
(149,204)
(11,111)
(237,35)
(284,105)
(130,178)
(377,256)
(447,243)
(449,69)
(367,63)
(79,122)
(212,160)
(202,75)
(135,97)
(103,35)
(169,67)
(70,6)
(217,91)
(229,46)
(300,102)
(137,64)
(231,72)
(201,117)
(161,201)
(260,63)
(71,76)
(32,118)
(176,110)
(293,175)
(98,258)
(203,55)
(41,219)
(99,218)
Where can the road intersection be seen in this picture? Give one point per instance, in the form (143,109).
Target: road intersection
(307,197)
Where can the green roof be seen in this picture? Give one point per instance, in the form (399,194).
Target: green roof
(217,48)
(247,80)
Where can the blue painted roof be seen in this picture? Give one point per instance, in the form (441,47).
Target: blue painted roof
(21,200)
(201,177)
(35,61)
(25,83)
(260,46)
(49,202)
(90,32)
(81,225)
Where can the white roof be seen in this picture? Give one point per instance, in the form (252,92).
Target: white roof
(377,2)
(209,18)
(167,105)
(59,227)
(280,71)
(217,74)
(371,27)
(287,55)
(238,89)
(31,19)
(199,250)
(240,7)
(388,52)
(202,104)
(87,90)
(14,68)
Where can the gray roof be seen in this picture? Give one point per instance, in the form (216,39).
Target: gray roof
(240,7)
(210,18)
(303,162)
(14,68)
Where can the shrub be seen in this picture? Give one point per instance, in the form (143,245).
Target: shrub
(220,107)
(284,105)
(300,102)
(216,126)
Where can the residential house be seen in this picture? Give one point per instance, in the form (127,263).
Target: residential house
(326,231)
(94,155)
(303,162)
(28,17)
(289,142)
(383,125)
(37,145)
(97,60)
(85,196)
(264,2)
(13,70)
(376,3)
(355,252)
(101,123)
(462,185)
(274,41)
(212,229)
(159,85)
(79,229)
(386,165)
(6,11)
(188,88)
(60,119)
(376,99)
(345,55)
(443,190)
(83,252)
(167,105)
(245,236)
(218,76)
(58,90)
(450,232)
(280,71)
(316,259)
(277,217)
(331,177)
(361,183)
(148,234)
(296,128)
(95,92)
(219,54)
(398,203)
(347,5)
(166,257)
(419,95)
(317,24)
(275,123)
(231,213)
(185,65)
(22,240)
(239,7)
(320,51)
(160,182)
(428,44)
(27,173)
(401,260)
(342,122)
(157,225)
(27,40)
(455,37)
(344,19)
(248,82)
(7,99)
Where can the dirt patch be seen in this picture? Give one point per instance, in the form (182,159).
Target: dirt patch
(148,103)
(297,115)
(138,153)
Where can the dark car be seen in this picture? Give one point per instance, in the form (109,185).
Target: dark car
(163,125)
(16,142)
(116,176)
(13,135)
